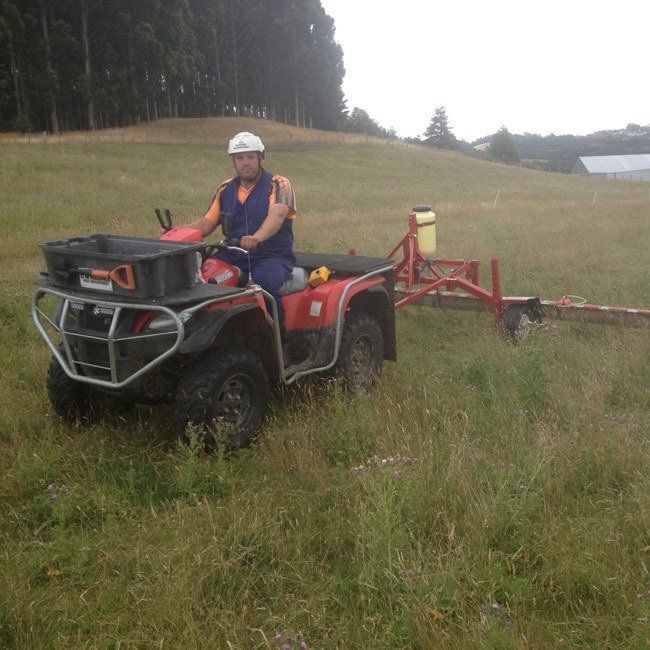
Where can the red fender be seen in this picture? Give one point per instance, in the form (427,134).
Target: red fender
(317,308)
(182,234)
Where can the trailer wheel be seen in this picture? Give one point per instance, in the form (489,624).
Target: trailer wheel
(516,322)
(224,394)
(362,350)
(73,400)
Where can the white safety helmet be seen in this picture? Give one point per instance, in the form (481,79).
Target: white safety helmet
(245,141)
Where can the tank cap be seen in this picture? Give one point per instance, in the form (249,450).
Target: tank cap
(422,208)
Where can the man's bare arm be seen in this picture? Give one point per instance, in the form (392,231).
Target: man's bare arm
(204,225)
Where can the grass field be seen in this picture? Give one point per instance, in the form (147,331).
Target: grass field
(519,514)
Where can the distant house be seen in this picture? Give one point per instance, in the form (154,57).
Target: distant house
(629,168)
(484,146)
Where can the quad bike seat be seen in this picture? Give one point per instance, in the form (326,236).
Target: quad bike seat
(342,265)
(297,282)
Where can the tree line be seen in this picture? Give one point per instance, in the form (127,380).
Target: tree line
(502,147)
(86,64)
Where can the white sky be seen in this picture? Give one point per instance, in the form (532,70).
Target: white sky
(542,66)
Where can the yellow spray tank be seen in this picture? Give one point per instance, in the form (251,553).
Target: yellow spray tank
(426,222)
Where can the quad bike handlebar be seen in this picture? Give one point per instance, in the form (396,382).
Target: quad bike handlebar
(191,234)
(231,245)
(225,245)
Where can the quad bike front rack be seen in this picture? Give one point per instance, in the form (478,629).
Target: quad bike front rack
(74,366)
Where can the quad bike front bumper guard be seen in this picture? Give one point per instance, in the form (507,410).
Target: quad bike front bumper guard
(76,367)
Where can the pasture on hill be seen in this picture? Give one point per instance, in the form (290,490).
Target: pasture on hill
(208,130)
(511,509)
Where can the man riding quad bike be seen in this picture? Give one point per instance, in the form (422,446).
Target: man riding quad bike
(209,328)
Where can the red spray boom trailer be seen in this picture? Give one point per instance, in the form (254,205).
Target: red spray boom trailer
(422,279)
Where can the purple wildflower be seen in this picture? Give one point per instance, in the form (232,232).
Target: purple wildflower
(50,487)
(303,645)
(278,638)
(65,489)
(286,646)
(495,606)
(53,497)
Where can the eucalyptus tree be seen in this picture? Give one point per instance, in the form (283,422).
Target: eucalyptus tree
(72,64)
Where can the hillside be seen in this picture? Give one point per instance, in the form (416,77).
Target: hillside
(520,518)
(202,131)
(352,190)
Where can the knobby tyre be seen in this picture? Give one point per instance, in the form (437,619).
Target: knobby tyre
(361,354)
(77,402)
(223,399)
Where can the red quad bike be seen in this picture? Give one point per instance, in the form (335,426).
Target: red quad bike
(132,320)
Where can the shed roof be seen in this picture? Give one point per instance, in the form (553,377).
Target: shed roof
(611,164)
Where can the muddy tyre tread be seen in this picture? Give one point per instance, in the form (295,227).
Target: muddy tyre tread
(359,324)
(193,398)
(72,400)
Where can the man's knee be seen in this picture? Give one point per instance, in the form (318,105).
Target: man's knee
(270,276)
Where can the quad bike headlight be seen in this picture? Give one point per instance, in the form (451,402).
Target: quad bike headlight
(162,323)
(165,323)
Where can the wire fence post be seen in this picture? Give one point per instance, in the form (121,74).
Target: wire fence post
(594,199)
(496,198)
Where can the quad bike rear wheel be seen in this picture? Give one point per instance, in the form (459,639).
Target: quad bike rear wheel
(223,396)
(362,350)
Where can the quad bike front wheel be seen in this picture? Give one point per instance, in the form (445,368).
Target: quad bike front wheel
(76,401)
(223,398)
(362,350)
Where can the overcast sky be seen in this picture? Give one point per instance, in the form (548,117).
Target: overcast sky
(542,66)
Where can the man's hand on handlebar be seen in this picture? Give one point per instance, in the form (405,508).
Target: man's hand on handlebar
(249,242)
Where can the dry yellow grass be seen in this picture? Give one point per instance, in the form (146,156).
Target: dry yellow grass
(201,131)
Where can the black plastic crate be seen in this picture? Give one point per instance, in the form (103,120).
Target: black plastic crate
(149,268)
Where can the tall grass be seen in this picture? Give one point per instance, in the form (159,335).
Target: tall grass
(510,511)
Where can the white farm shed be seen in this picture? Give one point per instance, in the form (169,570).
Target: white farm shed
(629,168)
